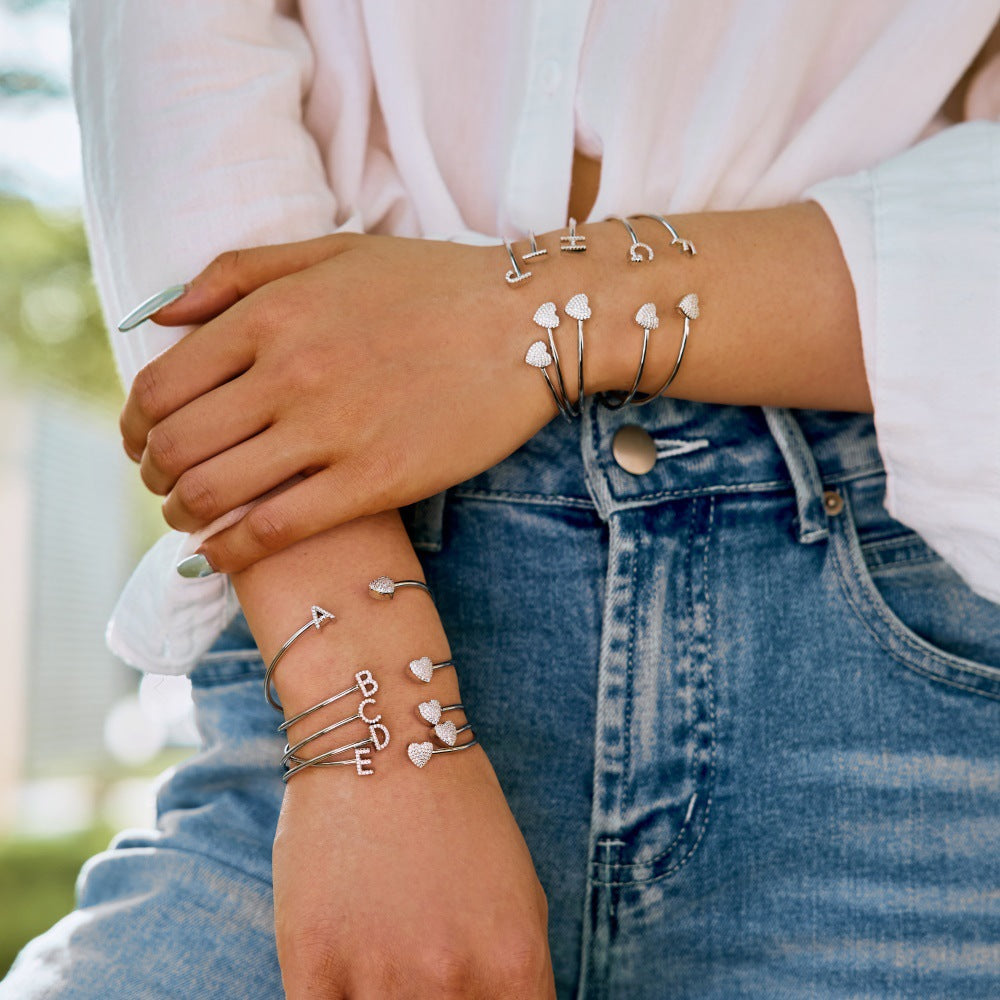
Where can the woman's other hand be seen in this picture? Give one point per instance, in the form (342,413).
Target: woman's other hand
(384,369)
(417,885)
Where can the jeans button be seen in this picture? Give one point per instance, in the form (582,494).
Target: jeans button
(833,502)
(634,450)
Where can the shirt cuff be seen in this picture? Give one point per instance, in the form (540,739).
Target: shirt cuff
(921,236)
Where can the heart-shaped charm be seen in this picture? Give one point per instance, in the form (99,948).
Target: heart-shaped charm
(538,355)
(646,316)
(382,586)
(430,711)
(545,315)
(446,732)
(578,307)
(422,668)
(420,753)
(689,305)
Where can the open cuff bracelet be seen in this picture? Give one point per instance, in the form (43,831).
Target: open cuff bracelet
(382,588)
(319,615)
(362,750)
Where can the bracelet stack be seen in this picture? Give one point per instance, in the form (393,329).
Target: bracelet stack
(357,753)
(544,354)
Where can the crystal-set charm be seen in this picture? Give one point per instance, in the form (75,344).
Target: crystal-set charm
(422,668)
(382,587)
(430,711)
(420,753)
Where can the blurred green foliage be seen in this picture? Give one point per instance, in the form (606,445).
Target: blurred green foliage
(51,328)
(52,331)
(36,883)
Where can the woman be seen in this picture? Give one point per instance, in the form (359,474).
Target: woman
(745,719)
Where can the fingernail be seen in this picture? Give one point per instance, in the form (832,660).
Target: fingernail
(194,567)
(153,304)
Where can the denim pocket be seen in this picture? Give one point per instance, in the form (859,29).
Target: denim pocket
(913,604)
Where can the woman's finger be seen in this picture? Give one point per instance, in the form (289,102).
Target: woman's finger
(202,361)
(223,418)
(236,273)
(234,477)
(321,501)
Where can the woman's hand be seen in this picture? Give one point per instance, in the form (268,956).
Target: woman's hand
(383,369)
(421,887)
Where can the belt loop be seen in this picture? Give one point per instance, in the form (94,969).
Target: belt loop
(801,464)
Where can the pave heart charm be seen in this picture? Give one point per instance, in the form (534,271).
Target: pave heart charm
(382,587)
(689,305)
(578,307)
(422,668)
(646,316)
(446,732)
(430,711)
(538,355)
(420,753)
(545,315)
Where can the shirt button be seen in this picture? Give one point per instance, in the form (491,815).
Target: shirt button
(634,450)
(550,76)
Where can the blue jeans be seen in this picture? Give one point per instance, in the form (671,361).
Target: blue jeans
(749,724)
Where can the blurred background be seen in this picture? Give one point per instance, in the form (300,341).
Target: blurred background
(82,736)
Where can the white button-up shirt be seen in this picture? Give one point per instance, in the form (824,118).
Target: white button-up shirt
(214,124)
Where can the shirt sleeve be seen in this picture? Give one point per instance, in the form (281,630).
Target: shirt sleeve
(192,143)
(921,236)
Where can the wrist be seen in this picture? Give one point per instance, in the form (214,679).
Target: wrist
(374,638)
(616,287)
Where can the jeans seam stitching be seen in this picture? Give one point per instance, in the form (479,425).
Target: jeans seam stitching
(847,588)
(710,782)
(630,675)
(545,499)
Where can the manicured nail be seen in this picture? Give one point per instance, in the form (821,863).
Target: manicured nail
(155,303)
(194,567)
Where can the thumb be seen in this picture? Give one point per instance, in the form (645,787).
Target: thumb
(230,277)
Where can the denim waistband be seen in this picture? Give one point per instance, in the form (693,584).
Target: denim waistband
(701,448)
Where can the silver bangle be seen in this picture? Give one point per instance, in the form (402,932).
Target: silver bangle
(360,749)
(578,308)
(537,356)
(688,308)
(368,687)
(423,667)
(365,683)
(534,251)
(319,615)
(634,253)
(548,319)
(646,318)
(573,243)
(686,246)
(515,275)
(382,588)
(290,752)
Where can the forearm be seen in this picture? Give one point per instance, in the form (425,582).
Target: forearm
(378,879)
(778,323)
